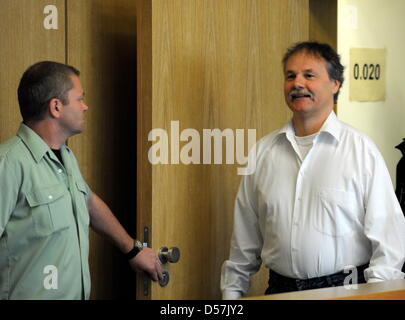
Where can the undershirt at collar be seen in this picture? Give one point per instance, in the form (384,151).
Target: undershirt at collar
(305,143)
(58,154)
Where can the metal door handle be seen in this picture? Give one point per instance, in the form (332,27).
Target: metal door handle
(166,278)
(171,255)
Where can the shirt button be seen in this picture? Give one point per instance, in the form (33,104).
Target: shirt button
(50,197)
(60,170)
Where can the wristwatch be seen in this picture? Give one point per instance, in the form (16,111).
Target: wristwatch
(138,246)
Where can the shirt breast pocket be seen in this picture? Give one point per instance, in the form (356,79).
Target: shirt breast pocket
(336,212)
(50,208)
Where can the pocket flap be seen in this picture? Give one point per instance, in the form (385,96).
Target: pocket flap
(45,195)
(82,186)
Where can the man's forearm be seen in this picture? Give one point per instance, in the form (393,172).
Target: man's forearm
(103,221)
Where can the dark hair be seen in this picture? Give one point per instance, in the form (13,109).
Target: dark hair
(39,84)
(321,50)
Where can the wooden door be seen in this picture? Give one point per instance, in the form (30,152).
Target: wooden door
(206,64)
(30,31)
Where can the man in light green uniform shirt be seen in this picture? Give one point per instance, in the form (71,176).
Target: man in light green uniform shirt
(46,207)
(41,201)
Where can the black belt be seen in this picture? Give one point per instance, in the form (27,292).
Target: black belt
(279,283)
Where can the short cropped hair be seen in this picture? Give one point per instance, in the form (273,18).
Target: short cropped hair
(320,50)
(39,84)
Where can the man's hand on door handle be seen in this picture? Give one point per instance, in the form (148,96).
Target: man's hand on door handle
(148,261)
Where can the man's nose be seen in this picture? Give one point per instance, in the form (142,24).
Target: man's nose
(299,82)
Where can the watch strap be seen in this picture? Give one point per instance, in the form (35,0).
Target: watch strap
(135,250)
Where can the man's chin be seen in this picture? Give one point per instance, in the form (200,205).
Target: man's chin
(76,131)
(300,106)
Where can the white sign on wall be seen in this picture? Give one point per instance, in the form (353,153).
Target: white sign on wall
(350,17)
(367,74)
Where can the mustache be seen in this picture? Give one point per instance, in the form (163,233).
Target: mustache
(295,93)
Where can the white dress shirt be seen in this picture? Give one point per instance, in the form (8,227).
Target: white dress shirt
(315,216)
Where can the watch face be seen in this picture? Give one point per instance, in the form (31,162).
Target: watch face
(138,244)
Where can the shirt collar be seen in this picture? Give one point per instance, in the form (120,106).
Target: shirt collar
(34,142)
(331,126)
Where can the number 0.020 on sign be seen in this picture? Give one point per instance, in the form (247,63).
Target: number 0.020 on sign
(367,74)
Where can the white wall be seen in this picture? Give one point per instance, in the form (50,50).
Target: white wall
(380,24)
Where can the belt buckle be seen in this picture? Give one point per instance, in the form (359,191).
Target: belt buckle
(330,282)
(299,283)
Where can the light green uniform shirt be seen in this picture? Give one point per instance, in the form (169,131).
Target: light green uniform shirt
(44,221)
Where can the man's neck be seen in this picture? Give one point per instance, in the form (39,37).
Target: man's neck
(307,125)
(48,132)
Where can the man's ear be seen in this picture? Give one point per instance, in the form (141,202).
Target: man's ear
(337,86)
(55,106)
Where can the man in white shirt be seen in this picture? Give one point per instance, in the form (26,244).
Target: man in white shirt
(320,202)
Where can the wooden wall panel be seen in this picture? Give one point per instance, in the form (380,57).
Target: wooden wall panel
(24,41)
(101,44)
